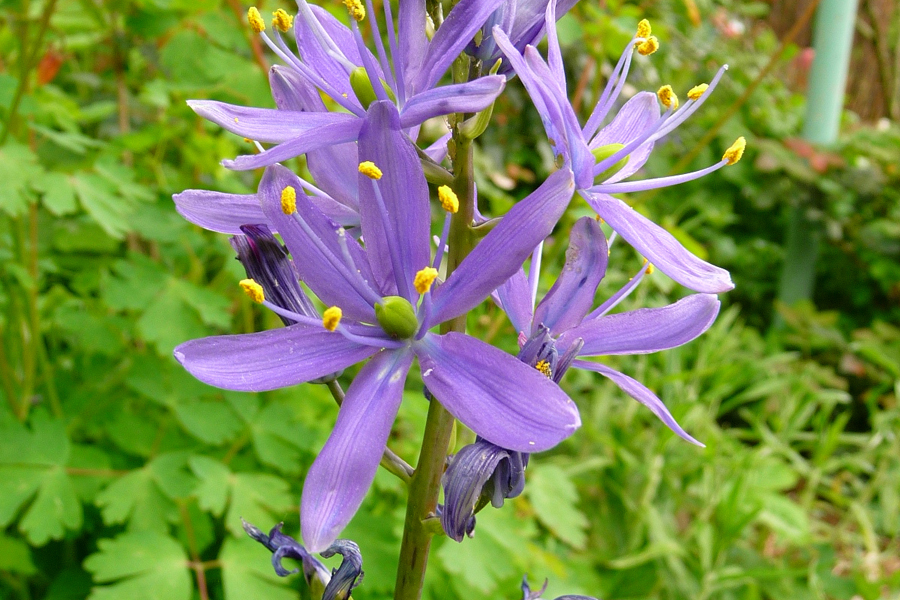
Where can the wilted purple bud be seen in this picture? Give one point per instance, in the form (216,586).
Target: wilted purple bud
(479,473)
(528,594)
(284,546)
(348,575)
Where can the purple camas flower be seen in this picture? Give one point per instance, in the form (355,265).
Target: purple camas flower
(382,307)
(601,159)
(564,325)
(334,59)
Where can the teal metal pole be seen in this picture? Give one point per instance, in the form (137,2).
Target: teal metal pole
(832,42)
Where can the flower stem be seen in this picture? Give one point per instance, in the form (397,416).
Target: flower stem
(423,490)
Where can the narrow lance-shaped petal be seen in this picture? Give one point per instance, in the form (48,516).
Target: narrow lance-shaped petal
(342,473)
(218,211)
(499,397)
(501,253)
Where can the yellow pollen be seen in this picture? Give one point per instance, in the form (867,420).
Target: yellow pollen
(544,367)
(252,289)
(697,91)
(331,318)
(289,200)
(648,47)
(667,97)
(650,269)
(356,9)
(424,279)
(282,21)
(369,169)
(256,22)
(449,199)
(736,151)
(248,140)
(643,30)
(235,119)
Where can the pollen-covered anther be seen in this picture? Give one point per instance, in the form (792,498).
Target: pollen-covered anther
(698,90)
(331,318)
(449,199)
(252,289)
(643,29)
(736,151)
(289,200)
(648,46)
(368,168)
(255,20)
(424,278)
(282,21)
(356,9)
(667,96)
(650,269)
(544,367)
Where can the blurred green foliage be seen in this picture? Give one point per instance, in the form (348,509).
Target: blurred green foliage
(123,477)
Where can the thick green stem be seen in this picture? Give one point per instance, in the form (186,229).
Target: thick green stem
(425,485)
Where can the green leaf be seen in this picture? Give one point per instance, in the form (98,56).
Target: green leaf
(101,200)
(15,556)
(785,517)
(55,509)
(279,438)
(144,566)
(215,481)
(139,280)
(209,421)
(59,195)
(18,169)
(555,501)
(258,498)
(247,572)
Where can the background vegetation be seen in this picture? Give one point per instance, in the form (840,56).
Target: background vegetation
(121,477)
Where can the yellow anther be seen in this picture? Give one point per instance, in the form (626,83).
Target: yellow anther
(649,46)
(331,318)
(736,151)
(449,199)
(544,367)
(356,9)
(424,279)
(697,91)
(650,269)
(252,289)
(248,140)
(368,168)
(256,22)
(282,21)
(643,30)
(289,200)
(667,97)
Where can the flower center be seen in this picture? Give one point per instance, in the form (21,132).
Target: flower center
(397,317)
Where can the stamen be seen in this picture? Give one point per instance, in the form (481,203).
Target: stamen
(253,289)
(289,200)
(424,278)
(649,46)
(356,9)
(650,269)
(544,367)
(442,242)
(331,318)
(368,168)
(697,91)
(643,29)
(610,93)
(282,21)
(449,199)
(667,96)
(534,271)
(736,151)
(623,293)
(255,20)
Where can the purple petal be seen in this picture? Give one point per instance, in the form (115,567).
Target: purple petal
(341,475)
(316,267)
(460,26)
(659,246)
(345,128)
(269,125)
(529,24)
(438,150)
(468,97)
(501,253)
(218,211)
(646,330)
(268,360)
(515,297)
(413,43)
(292,91)
(404,230)
(572,295)
(637,115)
(500,398)
(642,394)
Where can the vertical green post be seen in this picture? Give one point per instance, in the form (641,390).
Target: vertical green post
(832,42)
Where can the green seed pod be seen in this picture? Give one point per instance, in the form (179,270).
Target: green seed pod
(362,87)
(397,317)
